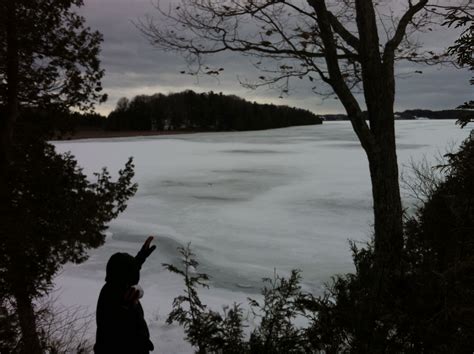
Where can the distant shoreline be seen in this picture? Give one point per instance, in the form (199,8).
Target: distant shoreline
(103,134)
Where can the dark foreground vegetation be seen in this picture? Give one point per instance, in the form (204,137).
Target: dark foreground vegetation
(51,212)
(429,308)
(55,215)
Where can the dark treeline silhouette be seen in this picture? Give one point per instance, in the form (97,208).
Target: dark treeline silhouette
(426,113)
(86,120)
(414,114)
(211,111)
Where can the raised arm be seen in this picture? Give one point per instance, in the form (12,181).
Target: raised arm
(145,251)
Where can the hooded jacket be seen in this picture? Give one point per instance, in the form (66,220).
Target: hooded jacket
(121,326)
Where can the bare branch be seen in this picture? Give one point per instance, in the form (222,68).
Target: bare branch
(337,81)
(400,32)
(337,26)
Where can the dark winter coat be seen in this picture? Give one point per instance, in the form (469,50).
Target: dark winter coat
(121,326)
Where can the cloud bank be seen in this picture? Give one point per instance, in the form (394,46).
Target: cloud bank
(134,67)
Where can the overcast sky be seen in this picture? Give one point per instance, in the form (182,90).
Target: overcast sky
(133,67)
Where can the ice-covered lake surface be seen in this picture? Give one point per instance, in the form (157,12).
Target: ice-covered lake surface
(249,203)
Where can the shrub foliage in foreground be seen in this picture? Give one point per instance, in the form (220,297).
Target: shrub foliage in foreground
(54,215)
(210,331)
(429,307)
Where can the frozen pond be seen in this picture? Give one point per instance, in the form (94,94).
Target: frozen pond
(248,202)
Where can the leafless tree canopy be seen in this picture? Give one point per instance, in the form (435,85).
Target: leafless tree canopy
(287,38)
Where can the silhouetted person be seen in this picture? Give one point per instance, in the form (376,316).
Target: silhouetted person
(121,326)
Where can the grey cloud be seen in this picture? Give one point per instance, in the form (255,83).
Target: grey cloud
(134,67)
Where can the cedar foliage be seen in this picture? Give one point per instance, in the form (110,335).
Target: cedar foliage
(49,61)
(56,214)
(462,50)
(207,330)
(57,55)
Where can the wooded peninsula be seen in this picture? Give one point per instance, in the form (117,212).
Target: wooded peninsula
(191,111)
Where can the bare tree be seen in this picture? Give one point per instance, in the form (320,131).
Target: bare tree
(344,47)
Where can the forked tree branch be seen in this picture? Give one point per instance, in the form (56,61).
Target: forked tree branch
(345,34)
(400,32)
(337,81)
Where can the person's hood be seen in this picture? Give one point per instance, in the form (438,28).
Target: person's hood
(122,270)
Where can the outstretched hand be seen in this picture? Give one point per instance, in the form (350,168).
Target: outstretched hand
(146,246)
(145,251)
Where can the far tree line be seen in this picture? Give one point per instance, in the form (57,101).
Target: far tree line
(191,111)
(459,114)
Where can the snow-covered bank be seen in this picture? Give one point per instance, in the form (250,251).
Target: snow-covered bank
(249,202)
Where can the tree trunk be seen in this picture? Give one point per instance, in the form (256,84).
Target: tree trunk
(27,319)
(383,165)
(379,94)
(24,305)
(12,111)
(388,222)
(12,63)
(7,121)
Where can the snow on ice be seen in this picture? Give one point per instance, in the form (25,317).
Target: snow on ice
(249,203)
